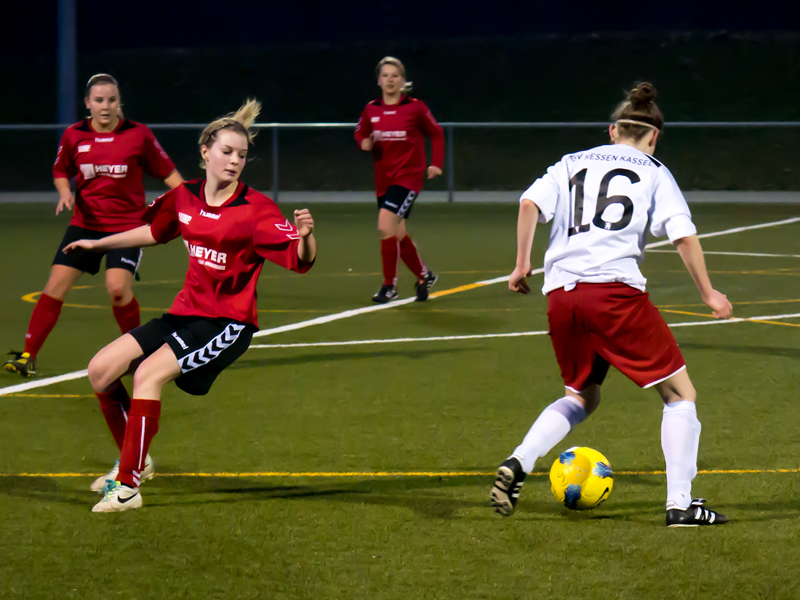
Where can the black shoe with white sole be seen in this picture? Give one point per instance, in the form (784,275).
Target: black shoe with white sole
(387,293)
(424,285)
(507,485)
(694,516)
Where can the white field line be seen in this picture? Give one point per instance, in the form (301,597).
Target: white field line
(448,338)
(759,254)
(31,385)
(359,311)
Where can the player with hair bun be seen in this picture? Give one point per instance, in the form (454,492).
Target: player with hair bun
(107,154)
(600,202)
(229,230)
(393,129)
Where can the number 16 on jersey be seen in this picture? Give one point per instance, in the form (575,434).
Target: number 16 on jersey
(603,202)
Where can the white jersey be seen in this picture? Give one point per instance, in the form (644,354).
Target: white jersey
(600,202)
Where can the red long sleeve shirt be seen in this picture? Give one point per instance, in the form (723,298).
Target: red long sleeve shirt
(227,247)
(398,132)
(108,168)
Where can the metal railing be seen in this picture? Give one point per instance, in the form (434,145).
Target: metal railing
(449,128)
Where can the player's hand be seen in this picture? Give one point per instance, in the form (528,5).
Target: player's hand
(720,307)
(517,283)
(434,172)
(304,222)
(367,143)
(79,245)
(65,203)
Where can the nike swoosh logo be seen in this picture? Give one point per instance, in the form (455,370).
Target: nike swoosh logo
(128,499)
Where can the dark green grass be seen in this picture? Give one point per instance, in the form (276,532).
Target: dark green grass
(457,406)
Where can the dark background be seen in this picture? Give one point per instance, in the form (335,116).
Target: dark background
(184,62)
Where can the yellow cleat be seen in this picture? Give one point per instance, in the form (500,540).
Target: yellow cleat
(22,364)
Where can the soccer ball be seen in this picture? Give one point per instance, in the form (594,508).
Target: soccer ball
(581,478)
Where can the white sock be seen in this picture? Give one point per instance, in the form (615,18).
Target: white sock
(552,426)
(680,438)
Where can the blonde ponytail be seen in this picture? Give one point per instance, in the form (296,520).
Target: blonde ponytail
(241,121)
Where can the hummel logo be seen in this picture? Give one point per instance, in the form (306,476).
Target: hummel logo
(289,230)
(105,139)
(207,214)
(180,341)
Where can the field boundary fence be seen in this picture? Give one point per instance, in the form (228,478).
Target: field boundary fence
(449,131)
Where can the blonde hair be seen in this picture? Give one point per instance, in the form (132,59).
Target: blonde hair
(241,121)
(638,113)
(395,62)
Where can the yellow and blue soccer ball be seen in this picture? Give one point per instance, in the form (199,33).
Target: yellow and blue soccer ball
(581,478)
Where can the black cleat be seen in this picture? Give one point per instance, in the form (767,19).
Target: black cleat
(694,516)
(507,486)
(424,285)
(22,364)
(387,293)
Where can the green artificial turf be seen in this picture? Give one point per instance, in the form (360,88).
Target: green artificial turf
(454,408)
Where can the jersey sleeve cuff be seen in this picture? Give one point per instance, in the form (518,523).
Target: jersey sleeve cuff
(680,226)
(544,217)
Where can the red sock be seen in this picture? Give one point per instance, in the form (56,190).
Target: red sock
(116,405)
(410,256)
(142,426)
(44,317)
(389,253)
(127,316)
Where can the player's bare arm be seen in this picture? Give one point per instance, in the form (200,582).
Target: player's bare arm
(691,253)
(526,228)
(141,237)
(174,179)
(66,199)
(307,248)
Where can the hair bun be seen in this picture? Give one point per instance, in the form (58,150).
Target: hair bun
(642,95)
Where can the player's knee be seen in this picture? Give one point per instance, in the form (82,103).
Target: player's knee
(117,290)
(386,230)
(99,373)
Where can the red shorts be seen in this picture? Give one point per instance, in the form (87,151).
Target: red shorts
(597,324)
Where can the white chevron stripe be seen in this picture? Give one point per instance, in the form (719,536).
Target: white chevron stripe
(212,349)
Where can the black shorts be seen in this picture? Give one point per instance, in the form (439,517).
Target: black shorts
(203,346)
(88,261)
(398,199)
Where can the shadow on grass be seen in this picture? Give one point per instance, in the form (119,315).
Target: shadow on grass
(429,497)
(750,350)
(366,354)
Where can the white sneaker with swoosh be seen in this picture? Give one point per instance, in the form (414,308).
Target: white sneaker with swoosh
(118,498)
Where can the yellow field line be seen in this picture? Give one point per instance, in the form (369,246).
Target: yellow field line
(662,306)
(455,290)
(778,323)
(683,312)
(342,474)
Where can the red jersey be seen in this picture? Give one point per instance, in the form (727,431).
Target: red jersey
(227,246)
(399,145)
(109,193)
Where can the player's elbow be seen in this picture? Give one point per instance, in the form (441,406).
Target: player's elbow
(684,242)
